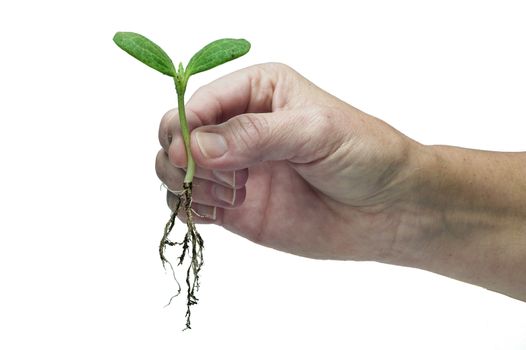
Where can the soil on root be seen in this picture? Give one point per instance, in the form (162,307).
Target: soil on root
(192,247)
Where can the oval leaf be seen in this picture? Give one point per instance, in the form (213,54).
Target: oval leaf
(145,51)
(216,53)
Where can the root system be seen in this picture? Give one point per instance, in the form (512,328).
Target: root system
(192,249)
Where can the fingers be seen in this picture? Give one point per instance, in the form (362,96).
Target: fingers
(212,188)
(212,194)
(202,214)
(250,90)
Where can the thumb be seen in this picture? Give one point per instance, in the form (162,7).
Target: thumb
(247,139)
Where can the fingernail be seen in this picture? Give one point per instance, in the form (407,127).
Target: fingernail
(205,211)
(228,177)
(211,145)
(224,194)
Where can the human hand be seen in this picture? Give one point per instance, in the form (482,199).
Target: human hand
(286,165)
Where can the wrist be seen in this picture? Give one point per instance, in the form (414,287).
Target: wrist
(421,223)
(463,221)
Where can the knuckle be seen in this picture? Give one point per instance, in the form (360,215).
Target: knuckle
(170,176)
(277,67)
(159,165)
(203,90)
(274,83)
(203,104)
(176,155)
(171,200)
(203,93)
(262,86)
(165,128)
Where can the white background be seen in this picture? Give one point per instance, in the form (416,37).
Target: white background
(82,213)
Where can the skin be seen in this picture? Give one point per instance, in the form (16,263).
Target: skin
(306,173)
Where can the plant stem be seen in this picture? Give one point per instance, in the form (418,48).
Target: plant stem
(180,86)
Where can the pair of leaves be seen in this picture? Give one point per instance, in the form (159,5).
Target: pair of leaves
(210,56)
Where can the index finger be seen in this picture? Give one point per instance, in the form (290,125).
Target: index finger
(249,90)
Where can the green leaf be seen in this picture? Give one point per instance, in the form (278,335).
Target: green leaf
(145,51)
(216,53)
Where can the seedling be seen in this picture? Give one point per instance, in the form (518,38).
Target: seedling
(210,56)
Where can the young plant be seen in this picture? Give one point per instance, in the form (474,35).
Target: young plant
(210,56)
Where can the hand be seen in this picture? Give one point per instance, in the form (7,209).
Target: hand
(289,166)
(293,168)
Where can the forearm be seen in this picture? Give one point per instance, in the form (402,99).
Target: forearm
(471,208)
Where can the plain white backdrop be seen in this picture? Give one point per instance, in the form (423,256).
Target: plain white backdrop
(82,212)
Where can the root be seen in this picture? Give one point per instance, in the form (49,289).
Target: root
(192,246)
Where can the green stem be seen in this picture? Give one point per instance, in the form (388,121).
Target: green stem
(180,86)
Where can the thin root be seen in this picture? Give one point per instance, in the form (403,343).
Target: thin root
(176,192)
(209,217)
